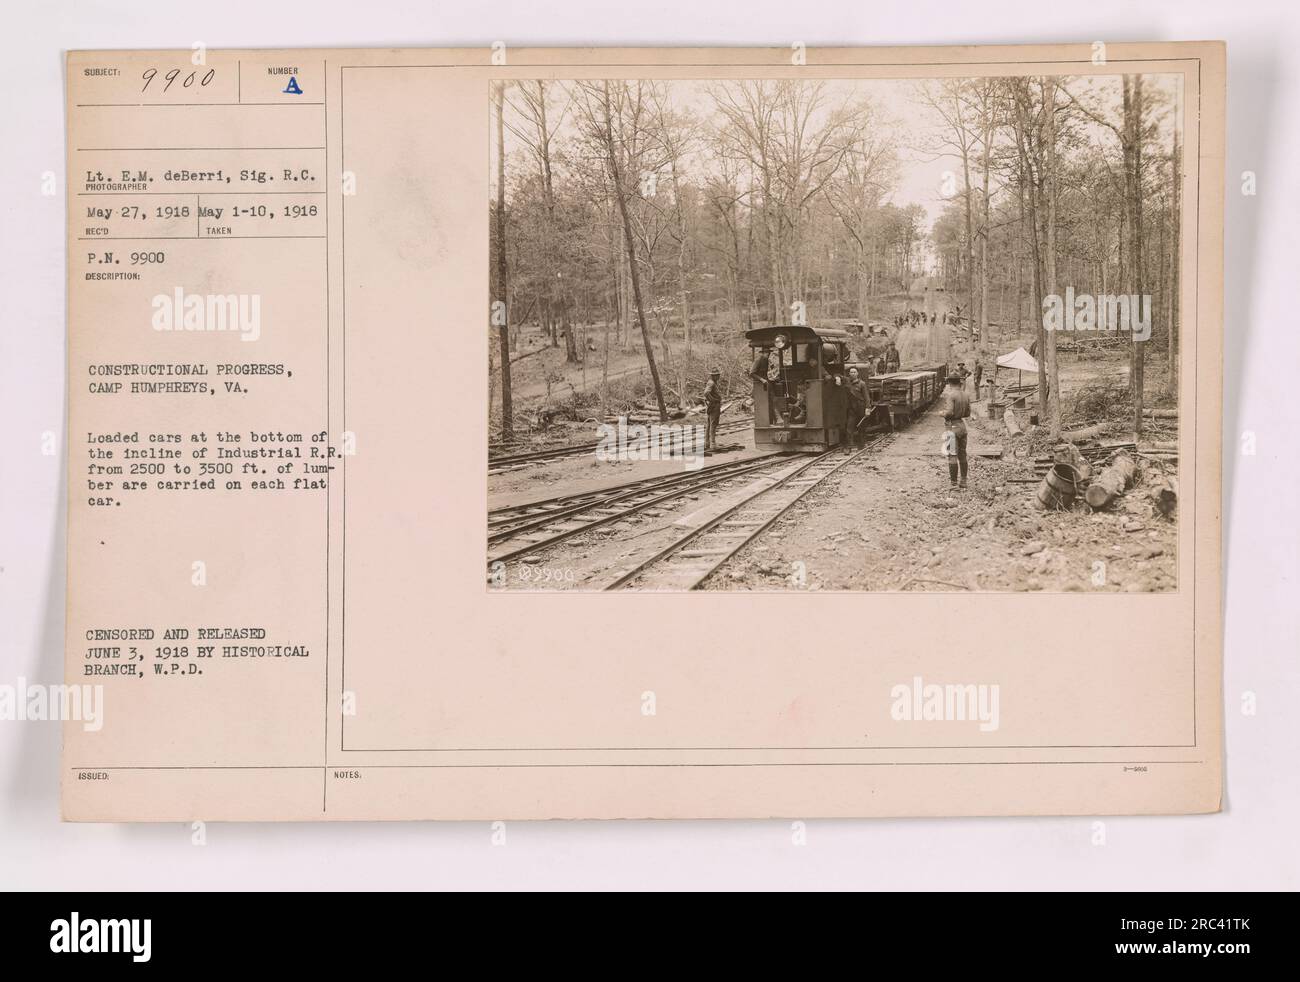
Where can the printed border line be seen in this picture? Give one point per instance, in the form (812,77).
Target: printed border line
(786,66)
(833,763)
(683,750)
(183,105)
(857,65)
(325,752)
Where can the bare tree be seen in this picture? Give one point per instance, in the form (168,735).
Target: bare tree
(949,99)
(1132,142)
(794,142)
(1176,207)
(869,171)
(503,329)
(676,132)
(682,211)
(1130,131)
(599,110)
(1047,87)
(537,132)
(1029,149)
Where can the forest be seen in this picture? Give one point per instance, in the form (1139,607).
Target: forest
(657,221)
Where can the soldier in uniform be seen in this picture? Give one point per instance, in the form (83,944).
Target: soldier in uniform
(713,410)
(979,375)
(964,372)
(955,405)
(859,403)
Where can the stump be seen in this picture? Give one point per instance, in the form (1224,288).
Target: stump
(1111,482)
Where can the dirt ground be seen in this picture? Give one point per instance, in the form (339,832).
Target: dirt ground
(891,521)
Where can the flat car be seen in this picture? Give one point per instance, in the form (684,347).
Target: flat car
(909,393)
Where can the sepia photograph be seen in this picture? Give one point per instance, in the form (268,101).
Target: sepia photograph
(876,335)
(937,344)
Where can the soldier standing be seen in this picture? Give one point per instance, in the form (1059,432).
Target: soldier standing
(955,405)
(979,375)
(713,410)
(859,400)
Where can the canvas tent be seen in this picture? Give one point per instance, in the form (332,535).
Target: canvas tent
(1020,360)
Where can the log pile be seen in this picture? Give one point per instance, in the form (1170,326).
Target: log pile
(1111,482)
(1101,341)
(1086,433)
(1151,491)
(1093,456)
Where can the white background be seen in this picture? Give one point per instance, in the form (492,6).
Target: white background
(1251,845)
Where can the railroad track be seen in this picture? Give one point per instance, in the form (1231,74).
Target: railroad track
(523,529)
(509,517)
(689,561)
(510,462)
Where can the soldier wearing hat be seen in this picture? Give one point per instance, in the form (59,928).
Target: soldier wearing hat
(858,405)
(713,409)
(955,405)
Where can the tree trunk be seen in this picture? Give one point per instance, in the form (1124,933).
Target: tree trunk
(1027,181)
(984,236)
(616,174)
(970,240)
(1133,192)
(503,332)
(570,342)
(1175,256)
(1019,260)
(1053,372)
(682,265)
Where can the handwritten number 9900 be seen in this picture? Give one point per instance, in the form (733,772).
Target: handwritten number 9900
(171,76)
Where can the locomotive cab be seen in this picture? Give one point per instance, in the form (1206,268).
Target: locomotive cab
(800,403)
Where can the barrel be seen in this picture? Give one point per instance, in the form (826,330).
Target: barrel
(1058,489)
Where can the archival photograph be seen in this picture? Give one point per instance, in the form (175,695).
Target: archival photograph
(886,335)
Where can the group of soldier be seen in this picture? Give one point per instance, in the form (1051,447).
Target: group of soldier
(955,404)
(913,318)
(858,397)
